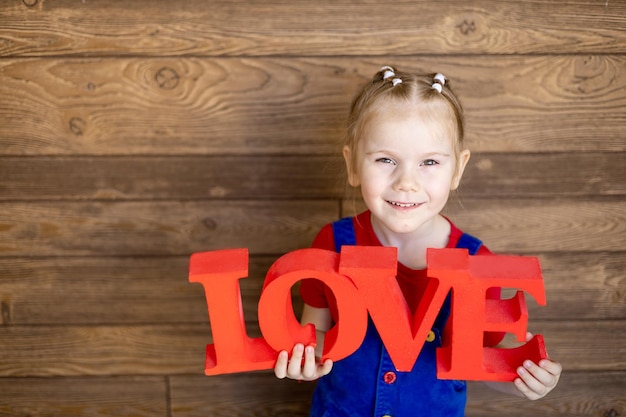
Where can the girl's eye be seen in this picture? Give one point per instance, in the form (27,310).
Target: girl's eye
(430,162)
(385,160)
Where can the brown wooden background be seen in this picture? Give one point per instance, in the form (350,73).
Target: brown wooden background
(133,133)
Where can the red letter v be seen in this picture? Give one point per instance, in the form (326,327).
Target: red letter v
(373,271)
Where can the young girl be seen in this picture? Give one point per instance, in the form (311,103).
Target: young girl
(404,149)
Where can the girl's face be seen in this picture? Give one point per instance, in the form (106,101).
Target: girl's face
(406,166)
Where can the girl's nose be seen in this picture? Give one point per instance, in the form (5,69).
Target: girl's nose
(407,180)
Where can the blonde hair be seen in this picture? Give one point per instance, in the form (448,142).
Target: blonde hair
(433,90)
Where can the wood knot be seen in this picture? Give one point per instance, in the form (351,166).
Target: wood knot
(30,3)
(588,67)
(77,126)
(467,27)
(209,223)
(167,78)
(592,75)
(611,413)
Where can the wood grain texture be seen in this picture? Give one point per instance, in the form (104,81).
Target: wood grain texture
(544,175)
(102,350)
(49,291)
(194,106)
(522,226)
(112,290)
(268,177)
(585,286)
(89,397)
(571,341)
(181,228)
(251,394)
(256,28)
(173,178)
(173,349)
(578,394)
(160,228)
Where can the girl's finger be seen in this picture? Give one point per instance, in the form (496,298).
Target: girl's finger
(294,369)
(326,367)
(528,373)
(280,369)
(542,374)
(310,366)
(554,368)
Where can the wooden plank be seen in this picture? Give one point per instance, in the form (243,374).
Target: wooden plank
(195,106)
(275,227)
(523,226)
(574,342)
(112,290)
(578,394)
(115,396)
(37,291)
(173,178)
(38,28)
(544,175)
(589,286)
(255,393)
(175,349)
(291,177)
(159,228)
(47,351)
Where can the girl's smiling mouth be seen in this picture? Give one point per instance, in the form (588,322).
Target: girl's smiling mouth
(402,205)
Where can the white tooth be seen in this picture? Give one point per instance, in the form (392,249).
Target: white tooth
(401,204)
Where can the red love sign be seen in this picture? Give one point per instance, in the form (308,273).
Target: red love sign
(363,281)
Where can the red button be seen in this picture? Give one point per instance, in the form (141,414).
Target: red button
(389,377)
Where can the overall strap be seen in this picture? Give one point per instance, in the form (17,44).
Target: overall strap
(343,232)
(469,242)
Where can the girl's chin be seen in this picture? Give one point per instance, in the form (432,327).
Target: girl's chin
(399,227)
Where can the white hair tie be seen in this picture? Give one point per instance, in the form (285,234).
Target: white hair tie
(388,74)
(439,80)
(387,71)
(396,81)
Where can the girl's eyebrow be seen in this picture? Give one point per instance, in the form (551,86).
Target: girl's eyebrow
(378,151)
(437,154)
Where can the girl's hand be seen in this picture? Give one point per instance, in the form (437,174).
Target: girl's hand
(537,380)
(297,368)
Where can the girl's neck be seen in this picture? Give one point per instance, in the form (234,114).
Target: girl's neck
(412,246)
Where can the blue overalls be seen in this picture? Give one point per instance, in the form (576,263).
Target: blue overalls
(367,384)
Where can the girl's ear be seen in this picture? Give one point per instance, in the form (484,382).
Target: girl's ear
(461,163)
(353,178)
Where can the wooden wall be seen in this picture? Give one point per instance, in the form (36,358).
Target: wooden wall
(135,133)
